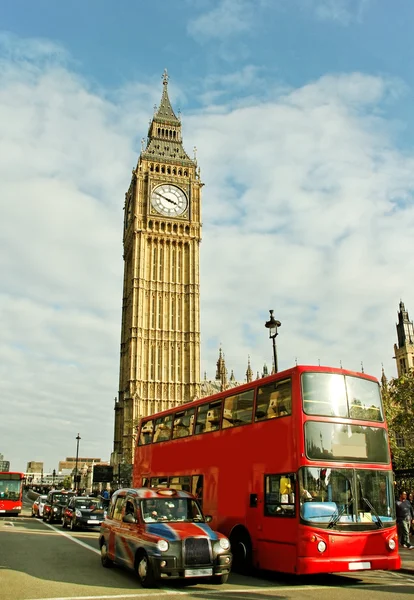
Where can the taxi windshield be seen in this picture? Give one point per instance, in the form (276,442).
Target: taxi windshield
(170,510)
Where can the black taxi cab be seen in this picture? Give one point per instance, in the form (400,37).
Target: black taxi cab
(55,503)
(161,533)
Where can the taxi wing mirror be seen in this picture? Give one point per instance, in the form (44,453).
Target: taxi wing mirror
(129,518)
(208,518)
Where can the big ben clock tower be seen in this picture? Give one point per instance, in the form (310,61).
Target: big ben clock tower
(160,331)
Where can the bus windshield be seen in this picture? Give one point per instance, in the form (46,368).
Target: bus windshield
(173,509)
(346,498)
(10,490)
(335,395)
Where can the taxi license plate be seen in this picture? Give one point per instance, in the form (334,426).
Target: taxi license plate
(359,566)
(90,522)
(198,572)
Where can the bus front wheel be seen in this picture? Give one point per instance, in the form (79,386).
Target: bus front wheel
(241,548)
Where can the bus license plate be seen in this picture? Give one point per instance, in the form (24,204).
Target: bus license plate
(359,566)
(198,572)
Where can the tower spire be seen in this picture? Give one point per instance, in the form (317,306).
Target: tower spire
(164,133)
(249,372)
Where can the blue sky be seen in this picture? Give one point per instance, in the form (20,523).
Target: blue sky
(301,112)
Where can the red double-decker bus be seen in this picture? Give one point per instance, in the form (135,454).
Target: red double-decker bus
(11,492)
(294,468)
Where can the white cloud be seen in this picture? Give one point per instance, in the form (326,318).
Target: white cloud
(225,18)
(307,209)
(344,12)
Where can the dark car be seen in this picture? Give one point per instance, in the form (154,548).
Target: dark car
(55,503)
(83,511)
(161,533)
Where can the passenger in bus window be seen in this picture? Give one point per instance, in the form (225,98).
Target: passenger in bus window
(212,419)
(272,410)
(285,490)
(228,418)
(146,433)
(163,429)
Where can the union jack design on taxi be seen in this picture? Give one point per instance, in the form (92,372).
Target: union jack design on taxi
(161,533)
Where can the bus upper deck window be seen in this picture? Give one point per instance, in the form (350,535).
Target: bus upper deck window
(162,429)
(145,436)
(208,417)
(183,423)
(274,400)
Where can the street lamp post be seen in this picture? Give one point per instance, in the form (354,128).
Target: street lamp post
(272,326)
(78,437)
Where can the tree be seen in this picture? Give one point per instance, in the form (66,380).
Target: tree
(398,397)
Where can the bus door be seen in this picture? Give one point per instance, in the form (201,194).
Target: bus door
(276,543)
(254,509)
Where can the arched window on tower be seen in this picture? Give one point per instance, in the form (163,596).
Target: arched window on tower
(152,362)
(154,262)
(172,263)
(179,257)
(153,311)
(160,312)
(160,263)
(159,363)
(172,363)
(179,313)
(172,323)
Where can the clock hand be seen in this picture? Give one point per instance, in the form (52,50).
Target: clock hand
(168,199)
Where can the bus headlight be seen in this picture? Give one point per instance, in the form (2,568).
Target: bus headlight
(391,544)
(321,546)
(224,543)
(162,545)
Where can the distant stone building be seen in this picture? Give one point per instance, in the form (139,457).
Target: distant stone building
(70,462)
(34,467)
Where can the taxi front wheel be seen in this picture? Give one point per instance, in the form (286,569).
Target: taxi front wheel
(219,579)
(145,571)
(105,560)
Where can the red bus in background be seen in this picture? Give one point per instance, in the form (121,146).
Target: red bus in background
(11,492)
(294,468)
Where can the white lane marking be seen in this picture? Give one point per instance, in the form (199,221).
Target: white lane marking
(194,592)
(73,539)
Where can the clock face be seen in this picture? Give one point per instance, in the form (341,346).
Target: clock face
(169,200)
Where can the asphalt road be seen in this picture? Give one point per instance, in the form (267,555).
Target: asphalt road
(40,561)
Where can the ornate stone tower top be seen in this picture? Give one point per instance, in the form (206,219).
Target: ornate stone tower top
(404,351)
(249,372)
(221,372)
(164,140)
(405,330)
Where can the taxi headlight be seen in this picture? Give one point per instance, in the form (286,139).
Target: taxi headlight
(321,546)
(78,513)
(162,545)
(224,543)
(391,544)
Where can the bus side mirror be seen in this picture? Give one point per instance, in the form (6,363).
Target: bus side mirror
(208,518)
